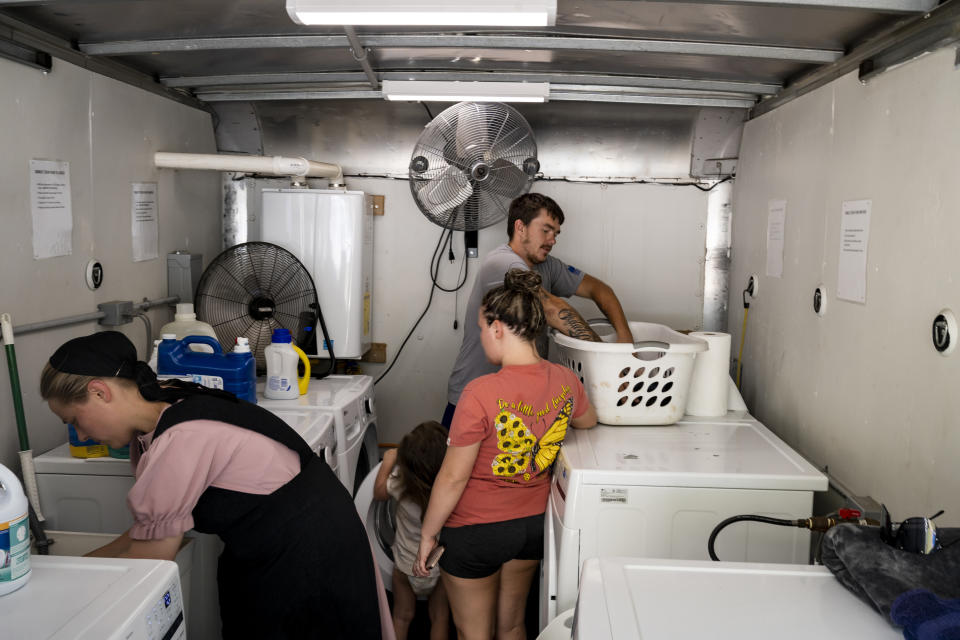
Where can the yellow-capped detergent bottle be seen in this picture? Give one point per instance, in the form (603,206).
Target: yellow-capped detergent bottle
(14,533)
(282,357)
(88,448)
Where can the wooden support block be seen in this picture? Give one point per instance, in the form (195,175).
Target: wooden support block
(378,205)
(377,353)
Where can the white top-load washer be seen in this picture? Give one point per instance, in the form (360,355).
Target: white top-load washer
(349,400)
(90,495)
(657,599)
(95,599)
(658,492)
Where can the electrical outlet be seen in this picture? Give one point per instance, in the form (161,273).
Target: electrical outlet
(753,285)
(118,312)
(820,300)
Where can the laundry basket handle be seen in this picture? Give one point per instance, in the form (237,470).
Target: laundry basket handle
(651,345)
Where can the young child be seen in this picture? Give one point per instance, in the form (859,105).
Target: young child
(406,475)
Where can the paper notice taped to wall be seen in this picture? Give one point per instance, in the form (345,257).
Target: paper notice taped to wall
(143,220)
(776,224)
(854,239)
(50,208)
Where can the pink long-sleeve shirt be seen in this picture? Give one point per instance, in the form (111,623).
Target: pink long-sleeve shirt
(174,471)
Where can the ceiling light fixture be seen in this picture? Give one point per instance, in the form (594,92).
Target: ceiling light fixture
(494,13)
(444,91)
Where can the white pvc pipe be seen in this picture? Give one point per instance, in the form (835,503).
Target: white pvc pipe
(275,165)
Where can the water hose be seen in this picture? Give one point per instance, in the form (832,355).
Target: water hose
(813,523)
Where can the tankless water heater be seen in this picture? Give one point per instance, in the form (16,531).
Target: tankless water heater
(331,233)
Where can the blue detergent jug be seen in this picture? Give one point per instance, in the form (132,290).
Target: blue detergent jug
(234,372)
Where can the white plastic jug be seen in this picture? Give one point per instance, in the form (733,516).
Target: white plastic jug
(282,357)
(14,533)
(185,324)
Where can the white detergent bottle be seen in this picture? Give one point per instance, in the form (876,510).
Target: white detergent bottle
(185,324)
(14,533)
(282,357)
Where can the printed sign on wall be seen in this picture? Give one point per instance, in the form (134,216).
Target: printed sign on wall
(854,239)
(143,220)
(776,223)
(50,208)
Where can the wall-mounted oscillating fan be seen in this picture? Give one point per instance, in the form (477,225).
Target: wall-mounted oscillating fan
(253,288)
(470,162)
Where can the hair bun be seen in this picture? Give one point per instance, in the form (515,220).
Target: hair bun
(522,280)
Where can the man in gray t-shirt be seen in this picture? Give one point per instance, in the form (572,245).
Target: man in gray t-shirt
(533,225)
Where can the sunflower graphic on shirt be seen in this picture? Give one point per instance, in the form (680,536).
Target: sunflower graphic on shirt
(524,456)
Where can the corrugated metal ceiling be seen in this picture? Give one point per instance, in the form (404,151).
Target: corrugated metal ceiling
(698,62)
(607,45)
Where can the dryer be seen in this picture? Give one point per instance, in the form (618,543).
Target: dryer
(96,599)
(659,599)
(349,401)
(658,492)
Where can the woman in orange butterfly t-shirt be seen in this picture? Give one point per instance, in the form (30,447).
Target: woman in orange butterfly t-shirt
(491,492)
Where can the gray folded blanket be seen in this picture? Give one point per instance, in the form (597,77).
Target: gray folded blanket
(878,573)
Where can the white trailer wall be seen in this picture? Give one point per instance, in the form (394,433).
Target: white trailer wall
(108,132)
(860,390)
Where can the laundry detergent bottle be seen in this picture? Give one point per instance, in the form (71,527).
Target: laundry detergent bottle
(282,357)
(14,533)
(247,365)
(217,370)
(185,324)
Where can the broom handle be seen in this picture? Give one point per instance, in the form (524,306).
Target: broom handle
(7,329)
(26,455)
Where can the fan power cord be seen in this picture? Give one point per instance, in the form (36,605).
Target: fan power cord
(814,523)
(447,239)
(332,366)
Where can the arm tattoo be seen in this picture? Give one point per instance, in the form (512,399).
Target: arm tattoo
(576,326)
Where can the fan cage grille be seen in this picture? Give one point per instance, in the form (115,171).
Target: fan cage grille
(470,162)
(253,288)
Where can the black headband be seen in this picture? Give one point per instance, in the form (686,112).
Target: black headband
(105,354)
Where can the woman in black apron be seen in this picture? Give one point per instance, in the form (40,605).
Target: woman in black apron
(296,563)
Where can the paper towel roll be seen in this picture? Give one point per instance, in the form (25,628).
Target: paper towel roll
(711,370)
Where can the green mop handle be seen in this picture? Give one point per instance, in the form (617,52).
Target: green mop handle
(7,329)
(26,455)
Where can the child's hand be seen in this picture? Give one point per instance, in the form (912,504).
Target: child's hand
(380,485)
(427,544)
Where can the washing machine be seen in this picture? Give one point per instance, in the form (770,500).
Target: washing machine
(658,492)
(658,599)
(90,495)
(380,520)
(95,599)
(349,400)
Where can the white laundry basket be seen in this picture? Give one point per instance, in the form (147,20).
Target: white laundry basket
(645,383)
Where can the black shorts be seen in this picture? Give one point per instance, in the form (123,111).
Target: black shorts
(479,550)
